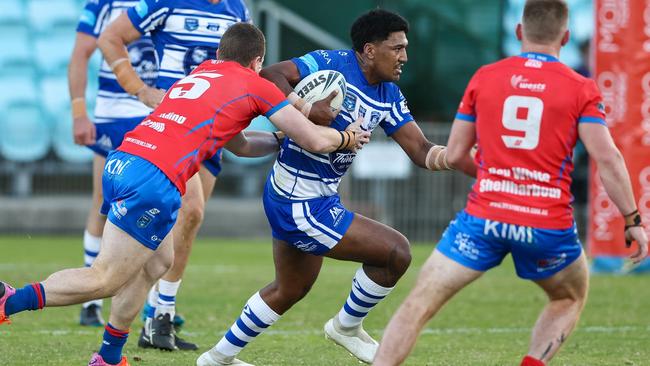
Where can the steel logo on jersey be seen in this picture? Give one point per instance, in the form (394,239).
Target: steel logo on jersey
(144,60)
(195,56)
(341,160)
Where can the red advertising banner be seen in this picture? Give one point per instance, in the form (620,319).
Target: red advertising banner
(622,71)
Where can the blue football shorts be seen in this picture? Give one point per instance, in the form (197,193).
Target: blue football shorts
(139,198)
(481,244)
(314,226)
(111,134)
(213,165)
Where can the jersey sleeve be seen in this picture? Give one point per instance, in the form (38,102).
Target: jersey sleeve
(591,104)
(315,61)
(399,114)
(92,17)
(266,98)
(246,14)
(466,110)
(148,15)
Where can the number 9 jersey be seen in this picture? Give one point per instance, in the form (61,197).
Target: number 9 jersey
(527,109)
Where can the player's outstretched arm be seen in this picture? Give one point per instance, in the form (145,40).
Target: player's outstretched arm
(460,147)
(421,151)
(314,138)
(285,75)
(83,130)
(252,144)
(113,43)
(616,180)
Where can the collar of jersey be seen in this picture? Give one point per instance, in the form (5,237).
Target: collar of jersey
(539,56)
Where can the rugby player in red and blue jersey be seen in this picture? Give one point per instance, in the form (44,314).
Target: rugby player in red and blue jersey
(145,178)
(526,112)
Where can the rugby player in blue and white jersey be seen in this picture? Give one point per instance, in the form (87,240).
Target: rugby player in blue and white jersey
(301,201)
(185,33)
(116,112)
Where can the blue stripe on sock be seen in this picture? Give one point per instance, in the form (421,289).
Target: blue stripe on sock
(245,329)
(358,287)
(251,315)
(111,350)
(353,312)
(360,302)
(230,337)
(91,253)
(167,298)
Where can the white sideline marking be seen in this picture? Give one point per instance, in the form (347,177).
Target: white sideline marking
(440,331)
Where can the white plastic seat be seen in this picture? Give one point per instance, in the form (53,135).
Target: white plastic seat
(44,14)
(25,133)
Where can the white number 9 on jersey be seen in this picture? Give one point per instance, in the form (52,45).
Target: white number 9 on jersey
(530,125)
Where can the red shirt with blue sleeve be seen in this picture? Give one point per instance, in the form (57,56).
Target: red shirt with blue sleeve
(200,114)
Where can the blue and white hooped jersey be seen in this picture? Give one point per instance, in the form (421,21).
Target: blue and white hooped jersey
(299,174)
(185,32)
(113,104)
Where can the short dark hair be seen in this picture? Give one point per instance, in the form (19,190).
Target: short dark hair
(242,43)
(545,21)
(376,25)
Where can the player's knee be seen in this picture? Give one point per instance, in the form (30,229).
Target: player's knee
(294,292)
(400,257)
(192,212)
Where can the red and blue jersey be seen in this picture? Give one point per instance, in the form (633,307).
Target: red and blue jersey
(527,109)
(200,114)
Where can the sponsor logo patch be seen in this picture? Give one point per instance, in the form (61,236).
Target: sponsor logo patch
(191,24)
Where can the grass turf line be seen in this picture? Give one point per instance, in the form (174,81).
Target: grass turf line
(487,324)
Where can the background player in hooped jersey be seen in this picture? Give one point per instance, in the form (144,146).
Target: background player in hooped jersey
(144,179)
(185,33)
(526,112)
(301,200)
(116,112)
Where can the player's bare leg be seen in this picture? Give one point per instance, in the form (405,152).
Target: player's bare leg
(120,259)
(385,255)
(567,293)
(127,303)
(190,217)
(91,312)
(439,280)
(295,273)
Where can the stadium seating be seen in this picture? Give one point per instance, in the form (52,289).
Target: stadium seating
(25,133)
(45,14)
(15,88)
(11,11)
(15,42)
(53,52)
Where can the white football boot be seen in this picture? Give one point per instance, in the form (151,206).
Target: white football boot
(215,358)
(355,339)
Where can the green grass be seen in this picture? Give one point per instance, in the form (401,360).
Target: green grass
(487,324)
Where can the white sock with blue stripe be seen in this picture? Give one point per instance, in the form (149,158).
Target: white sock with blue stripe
(91,250)
(364,296)
(256,317)
(166,302)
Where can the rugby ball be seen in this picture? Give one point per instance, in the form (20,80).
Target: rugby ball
(319,85)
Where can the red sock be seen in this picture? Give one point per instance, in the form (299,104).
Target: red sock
(531,361)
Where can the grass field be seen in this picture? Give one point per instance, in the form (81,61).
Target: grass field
(488,324)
